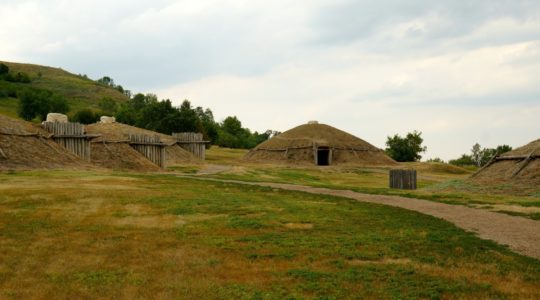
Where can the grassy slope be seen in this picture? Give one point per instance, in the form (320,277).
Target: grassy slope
(80,92)
(90,235)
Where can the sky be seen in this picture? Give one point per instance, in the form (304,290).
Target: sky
(461,72)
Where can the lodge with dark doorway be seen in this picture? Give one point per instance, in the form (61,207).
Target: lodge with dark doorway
(323,157)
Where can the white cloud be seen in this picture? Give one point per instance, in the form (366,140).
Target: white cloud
(461,73)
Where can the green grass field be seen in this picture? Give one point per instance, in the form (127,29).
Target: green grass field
(74,234)
(436,182)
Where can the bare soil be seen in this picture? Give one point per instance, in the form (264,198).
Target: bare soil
(519,234)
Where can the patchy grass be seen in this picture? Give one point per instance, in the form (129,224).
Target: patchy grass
(436,181)
(184,169)
(88,235)
(218,155)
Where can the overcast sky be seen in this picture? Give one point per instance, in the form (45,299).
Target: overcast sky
(458,71)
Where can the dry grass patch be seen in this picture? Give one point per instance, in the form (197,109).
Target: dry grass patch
(165,237)
(299,225)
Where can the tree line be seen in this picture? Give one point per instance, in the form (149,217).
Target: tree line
(409,148)
(144,111)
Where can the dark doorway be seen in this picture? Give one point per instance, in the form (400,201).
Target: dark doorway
(323,156)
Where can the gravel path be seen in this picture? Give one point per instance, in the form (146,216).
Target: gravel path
(520,234)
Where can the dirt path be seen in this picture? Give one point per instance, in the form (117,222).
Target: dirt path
(520,234)
(214,169)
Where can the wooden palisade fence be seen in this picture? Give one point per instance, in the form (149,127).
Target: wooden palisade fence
(192,142)
(149,146)
(71,136)
(403,179)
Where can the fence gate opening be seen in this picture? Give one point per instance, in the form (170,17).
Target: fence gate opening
(149,146)
(192,142)
(71,136)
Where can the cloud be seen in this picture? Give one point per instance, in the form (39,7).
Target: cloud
(459,71)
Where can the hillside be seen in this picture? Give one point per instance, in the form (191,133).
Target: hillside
(80,92)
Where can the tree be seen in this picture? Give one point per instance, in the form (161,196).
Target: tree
(106,80)
(187,118)
(108,106)
(407,148)
(38,103)
(4,69)
(480,156)
(232,125)
(85,116)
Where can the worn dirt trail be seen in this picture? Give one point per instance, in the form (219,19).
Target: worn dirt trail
(520,234)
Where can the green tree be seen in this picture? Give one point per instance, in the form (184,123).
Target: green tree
(108,106)
(480,156)
(406,148)
(38,103)
(187,118)
(435,160)
(106,80)
(232,125)
(85,116)
(464,160)
(4,69)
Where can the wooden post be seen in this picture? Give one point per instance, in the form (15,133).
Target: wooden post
(70,136)
(402,179)
(151,147)
(192,142)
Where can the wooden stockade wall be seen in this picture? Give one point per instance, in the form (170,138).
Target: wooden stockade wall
(71,136)
(149,146)
(403,179)
(192,142)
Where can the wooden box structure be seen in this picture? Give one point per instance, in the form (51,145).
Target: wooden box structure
(403,179)
(149,146)
(71,136)
(192,142)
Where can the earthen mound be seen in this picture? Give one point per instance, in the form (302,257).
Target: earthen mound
(318,144)
(519,169)
(26,146)
(118,133)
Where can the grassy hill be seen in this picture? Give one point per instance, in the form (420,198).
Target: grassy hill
(79,91)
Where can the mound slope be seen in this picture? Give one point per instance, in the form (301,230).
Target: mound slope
(316,143)
(514,168)
(113,144)
(27,146)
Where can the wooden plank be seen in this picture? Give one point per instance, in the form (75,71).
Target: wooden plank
(489,163)
(191,142)
(523,164)
(402,179)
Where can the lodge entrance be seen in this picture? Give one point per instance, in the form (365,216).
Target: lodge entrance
(323,156)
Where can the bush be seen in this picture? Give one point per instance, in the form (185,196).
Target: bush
(4,69)
(86,116)
(38,103)
(19,77)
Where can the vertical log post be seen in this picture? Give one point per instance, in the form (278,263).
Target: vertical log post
(403,179)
